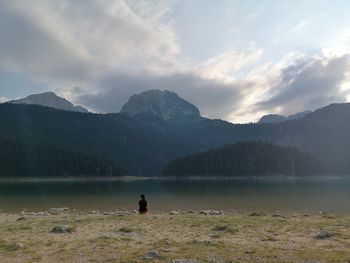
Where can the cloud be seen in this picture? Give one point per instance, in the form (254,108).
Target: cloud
(109,50)
(37,47)
(214,98)
(308,84)
(227,64)
(69,41)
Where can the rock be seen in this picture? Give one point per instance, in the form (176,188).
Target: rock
(153,254)
(122,213)
(21,218)
(183,261)
(278,215)
(58,210)
(211,212)
(256,214)
(190,212)
(174,213)
(323,235)
(40,213)
(94,212)
(62,229)
(18,246)
(108,213)
(218,260)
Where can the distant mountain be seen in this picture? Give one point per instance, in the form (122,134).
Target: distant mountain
(246,158)
(165,104)
(49,99)
(272,118)
(145,143)
(275,118)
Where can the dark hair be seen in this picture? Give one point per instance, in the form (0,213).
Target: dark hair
(142,196)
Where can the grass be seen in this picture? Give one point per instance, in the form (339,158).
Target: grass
(236,238)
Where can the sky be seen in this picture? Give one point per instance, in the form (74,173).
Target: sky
(234,59)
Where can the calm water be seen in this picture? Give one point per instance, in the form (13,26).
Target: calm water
(163,195)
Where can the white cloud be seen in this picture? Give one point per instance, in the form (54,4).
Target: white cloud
(226,65)
(2,99)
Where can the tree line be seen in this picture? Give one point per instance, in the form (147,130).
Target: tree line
(247,158)
(25,159)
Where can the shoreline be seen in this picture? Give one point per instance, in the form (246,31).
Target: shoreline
(54,211)
(171,178)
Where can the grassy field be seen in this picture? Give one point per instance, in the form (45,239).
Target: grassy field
(202,238)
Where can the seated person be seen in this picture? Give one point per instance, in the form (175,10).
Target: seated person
(143,205)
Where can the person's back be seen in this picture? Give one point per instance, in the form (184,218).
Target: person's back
(143,205)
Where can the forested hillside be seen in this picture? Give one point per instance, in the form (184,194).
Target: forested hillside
(143,144)
(19,159)
(247,158)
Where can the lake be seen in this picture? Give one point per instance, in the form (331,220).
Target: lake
(269,195)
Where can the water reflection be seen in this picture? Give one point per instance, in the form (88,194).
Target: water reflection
(249,194)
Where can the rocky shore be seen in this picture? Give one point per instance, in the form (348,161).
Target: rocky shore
(62,235)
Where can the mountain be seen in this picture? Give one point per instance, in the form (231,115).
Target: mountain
(49,99)
(272,118)
(275,118)
(298,115)
(165,104)
(145,143)
(246,158)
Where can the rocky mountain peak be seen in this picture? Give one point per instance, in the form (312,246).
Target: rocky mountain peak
(49,99)
(166,104)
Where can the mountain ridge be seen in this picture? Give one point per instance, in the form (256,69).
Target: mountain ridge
(275,118)
(145,143)
(49,99)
